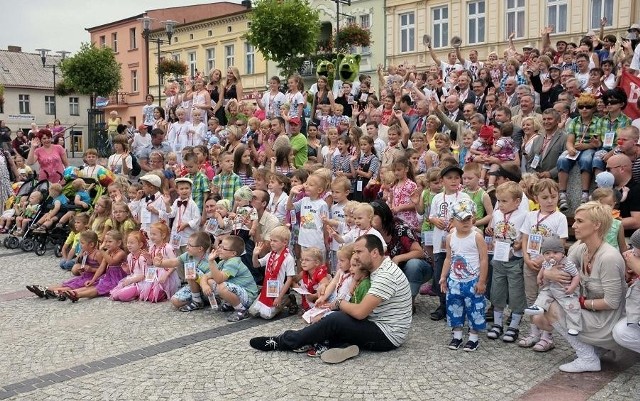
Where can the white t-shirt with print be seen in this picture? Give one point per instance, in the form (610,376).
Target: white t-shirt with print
(311,212)
(441,208)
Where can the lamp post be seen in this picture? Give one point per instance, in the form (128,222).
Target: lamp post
(338,2)
(169,28)
(43,56)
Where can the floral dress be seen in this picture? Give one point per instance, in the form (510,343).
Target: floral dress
(402,196)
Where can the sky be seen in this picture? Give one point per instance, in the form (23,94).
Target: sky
(60,24)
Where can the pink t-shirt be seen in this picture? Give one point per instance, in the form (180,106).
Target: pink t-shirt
(50,161)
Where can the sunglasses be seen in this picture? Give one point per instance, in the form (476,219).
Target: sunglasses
(585,106)
(612,102)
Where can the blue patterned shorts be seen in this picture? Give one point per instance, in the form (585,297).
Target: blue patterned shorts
(463,301)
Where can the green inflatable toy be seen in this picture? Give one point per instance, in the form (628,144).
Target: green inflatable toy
(348,67)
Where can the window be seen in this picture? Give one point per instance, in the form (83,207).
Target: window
(190,36)
(209,33)
(50,105)
(193,67)
(176,57)
(407,32)
(557,15)
(74,106)
(229,56)
(365,22)
(103,41)
(114,42)
(476,22)
(211,59)
(351,20)
(134,81)
(515,18)
(23,104)
(440,19)
(229,29)
(601,9)
(250,58)
(133,39)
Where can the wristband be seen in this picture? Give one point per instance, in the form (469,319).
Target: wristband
(581,300)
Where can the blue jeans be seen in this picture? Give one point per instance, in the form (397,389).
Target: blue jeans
(67,264)
(418,271)
(585,161)
(438,262)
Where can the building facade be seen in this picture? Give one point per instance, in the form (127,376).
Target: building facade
(213,43)
(131,51)
(29,97)
(484,25)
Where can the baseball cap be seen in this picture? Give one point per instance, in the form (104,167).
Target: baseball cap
(605,180)
(553,244)
(449,169)
(294,121)
(152,179)
(463,209)
(527,47)
(514,175)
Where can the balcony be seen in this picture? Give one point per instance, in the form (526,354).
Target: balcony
(118,99)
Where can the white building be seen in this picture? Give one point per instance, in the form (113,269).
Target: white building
(29,97)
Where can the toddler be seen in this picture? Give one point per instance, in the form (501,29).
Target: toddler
(480,149)
(9,215)
(503,148)
(23,220)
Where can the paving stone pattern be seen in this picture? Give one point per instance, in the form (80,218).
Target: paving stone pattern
(102,350)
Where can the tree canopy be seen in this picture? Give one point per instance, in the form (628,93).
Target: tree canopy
(92,71)
(284,29)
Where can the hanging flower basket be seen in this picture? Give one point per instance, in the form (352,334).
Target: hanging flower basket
(353,35)
(170,66)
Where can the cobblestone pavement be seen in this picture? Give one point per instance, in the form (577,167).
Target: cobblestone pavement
(103,350)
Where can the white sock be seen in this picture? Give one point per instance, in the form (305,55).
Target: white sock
(547,335)
(457,334)
(196,297)
(239,306)
(497,316)
(534,330)
(515,320)
(473,337)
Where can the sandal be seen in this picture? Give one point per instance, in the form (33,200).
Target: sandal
(72,296)
(529,341)
(62,297)
(192,306)
(36,289)
(50,294)
(511,335)
(544,345)
(494,332)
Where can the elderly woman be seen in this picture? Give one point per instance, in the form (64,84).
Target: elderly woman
(51,158)
(603,287)
(120,162)
(403,246)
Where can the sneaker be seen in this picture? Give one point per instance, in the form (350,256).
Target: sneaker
(533,310)
(264,343)
(581,365)
(338,355)
(573,332)
(317,350)
(563,204)
(455,343)
(225,307)
(302,349)
(238,316)
(471,346)
(293,305)
(438,314)
(584,198)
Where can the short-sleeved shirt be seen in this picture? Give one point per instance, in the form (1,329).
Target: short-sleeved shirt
(84,197)
(299,146)
(554,224)
(506,227)
(361,290)
(74,241)
(311,212)
(199,189)
(202,264)
(237,273)
(50,161)
(583,133)
(288,268)
(393,314)
(227,183)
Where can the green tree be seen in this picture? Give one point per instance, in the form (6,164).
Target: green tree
(92,71)
(284,29)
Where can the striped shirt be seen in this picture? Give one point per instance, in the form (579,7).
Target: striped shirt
(393,314)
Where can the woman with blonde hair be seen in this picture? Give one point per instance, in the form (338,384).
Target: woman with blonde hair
(215,94)
(531,128)
(603,287)
(232,85)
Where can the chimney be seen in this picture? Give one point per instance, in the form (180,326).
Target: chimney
(14,49)
(246,4)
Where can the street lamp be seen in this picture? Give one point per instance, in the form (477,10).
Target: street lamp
(169,28)
(43,56)
(338,2)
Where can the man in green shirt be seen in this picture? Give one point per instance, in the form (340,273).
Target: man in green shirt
(298,143)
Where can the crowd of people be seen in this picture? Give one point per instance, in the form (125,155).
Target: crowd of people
(450,182)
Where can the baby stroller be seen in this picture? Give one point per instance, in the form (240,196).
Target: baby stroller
(25,241)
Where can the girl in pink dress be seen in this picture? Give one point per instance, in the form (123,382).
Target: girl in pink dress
(165,282)
(108,274)
(128,289)
(402,194)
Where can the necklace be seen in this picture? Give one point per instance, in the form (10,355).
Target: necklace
(587,267)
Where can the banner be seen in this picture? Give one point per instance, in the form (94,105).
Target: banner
(631,85)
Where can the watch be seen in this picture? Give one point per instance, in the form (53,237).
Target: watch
(338,302)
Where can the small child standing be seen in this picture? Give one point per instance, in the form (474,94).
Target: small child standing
(340,188)
(471,183)
(135,194)
(615,235)
(434,187)
(467,141)
(440,215)
(311,208)
(402,203)
(507,282)
(227,182)
(185,214)
(91,168)
(279,272)
(199,181)
(277,205)
(550,291)
(153,203)
(362,216)
(503,148)
(464,276)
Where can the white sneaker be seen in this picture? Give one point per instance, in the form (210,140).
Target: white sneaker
(573,332)
(534,310)
(338,355)
(580,365)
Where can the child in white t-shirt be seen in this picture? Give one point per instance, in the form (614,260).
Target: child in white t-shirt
(312,208)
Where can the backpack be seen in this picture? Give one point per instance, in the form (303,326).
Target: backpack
(135,166)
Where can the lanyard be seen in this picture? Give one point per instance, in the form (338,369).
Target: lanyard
(584,130)
(505,228)
(540,220)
